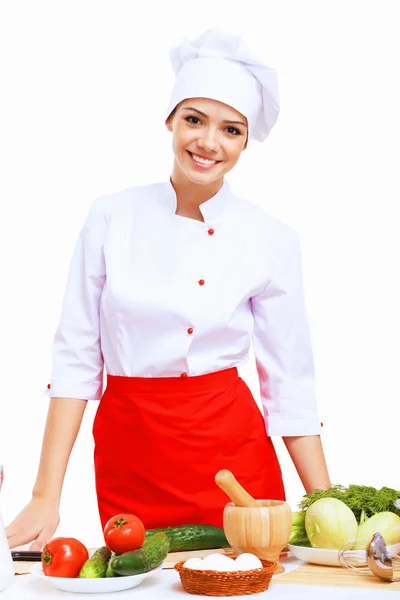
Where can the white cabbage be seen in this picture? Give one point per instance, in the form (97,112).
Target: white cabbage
(330,523)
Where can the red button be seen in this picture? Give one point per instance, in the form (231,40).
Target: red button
(201,282)
(190,330)
(211,232)
(48,386)
(322,424)
(183,375)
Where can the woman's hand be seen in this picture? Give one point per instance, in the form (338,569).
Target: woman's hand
(36,523)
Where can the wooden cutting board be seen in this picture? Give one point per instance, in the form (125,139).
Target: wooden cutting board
(317,575)
(22,567)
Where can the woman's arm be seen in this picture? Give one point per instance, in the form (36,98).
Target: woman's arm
(64,419)
(77,376)
(39,519)
(308,458)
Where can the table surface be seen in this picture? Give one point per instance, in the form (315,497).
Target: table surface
(166,585)
(305,580)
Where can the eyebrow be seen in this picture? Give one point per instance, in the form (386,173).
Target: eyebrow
(204,115)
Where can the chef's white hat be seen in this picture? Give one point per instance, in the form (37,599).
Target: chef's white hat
(219,65)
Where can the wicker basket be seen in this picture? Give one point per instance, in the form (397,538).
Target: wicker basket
(232,583)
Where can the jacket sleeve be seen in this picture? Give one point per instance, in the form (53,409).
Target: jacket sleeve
(282,349)
(77,358)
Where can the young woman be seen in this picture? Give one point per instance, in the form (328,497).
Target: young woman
(169,285)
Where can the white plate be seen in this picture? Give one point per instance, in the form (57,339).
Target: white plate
(92,586)
(320,556)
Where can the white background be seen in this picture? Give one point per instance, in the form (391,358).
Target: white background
(84,86)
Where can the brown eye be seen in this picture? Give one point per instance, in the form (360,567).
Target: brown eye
(192,120)
(233,131)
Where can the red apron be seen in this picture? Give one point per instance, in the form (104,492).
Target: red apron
(160,441)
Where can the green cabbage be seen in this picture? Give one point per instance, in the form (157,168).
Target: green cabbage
(330,523)
(382,523)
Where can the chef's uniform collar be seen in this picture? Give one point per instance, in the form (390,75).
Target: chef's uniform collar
(210,209)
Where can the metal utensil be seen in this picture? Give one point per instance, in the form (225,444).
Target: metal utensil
(372,557)
(353,556)
(380,560)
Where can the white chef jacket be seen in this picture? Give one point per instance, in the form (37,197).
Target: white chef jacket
(154,294)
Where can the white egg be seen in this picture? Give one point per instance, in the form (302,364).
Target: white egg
(218,562)
(214,557)
(193,563)
(247,562)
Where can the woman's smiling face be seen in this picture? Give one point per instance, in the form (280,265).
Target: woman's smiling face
(208,138)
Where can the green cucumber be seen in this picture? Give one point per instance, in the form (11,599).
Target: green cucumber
(192,537)
(96,565)
(146,558)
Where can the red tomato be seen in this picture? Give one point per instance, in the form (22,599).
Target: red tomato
(63,557)
(123,533)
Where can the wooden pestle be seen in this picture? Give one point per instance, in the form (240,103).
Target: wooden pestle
(232,488)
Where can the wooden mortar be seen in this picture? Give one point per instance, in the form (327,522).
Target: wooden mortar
(262,527)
